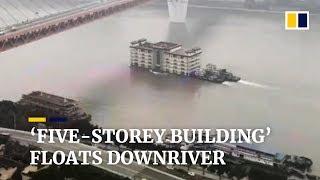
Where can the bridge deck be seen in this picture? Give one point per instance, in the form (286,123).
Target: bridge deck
(42,27)
(17,12)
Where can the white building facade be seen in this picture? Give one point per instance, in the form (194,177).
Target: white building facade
(165,56)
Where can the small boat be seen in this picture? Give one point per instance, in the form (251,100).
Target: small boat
(213,74)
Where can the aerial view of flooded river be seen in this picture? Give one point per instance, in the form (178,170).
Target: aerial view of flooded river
(280,71)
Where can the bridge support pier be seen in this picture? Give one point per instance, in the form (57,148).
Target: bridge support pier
(178,10)
(249,3)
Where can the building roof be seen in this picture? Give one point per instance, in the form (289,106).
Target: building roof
(181,52)
(45,97)
(186,52)
(256,149)
(165,45)
(172,48)
(146,45)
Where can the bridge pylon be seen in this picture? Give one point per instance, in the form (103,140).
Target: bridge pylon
(178,10)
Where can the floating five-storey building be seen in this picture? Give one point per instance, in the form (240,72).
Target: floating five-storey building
(164,56)
(171,58)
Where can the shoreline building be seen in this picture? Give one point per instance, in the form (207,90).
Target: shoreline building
(65,107)
(165,56)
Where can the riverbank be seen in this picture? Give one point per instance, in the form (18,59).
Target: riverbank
(14,115)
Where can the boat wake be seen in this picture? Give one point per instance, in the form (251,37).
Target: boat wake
(253,84)
(158,73)
(228,83)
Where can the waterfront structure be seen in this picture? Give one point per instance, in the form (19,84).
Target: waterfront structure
(65,107)
(165,56)
(243,152)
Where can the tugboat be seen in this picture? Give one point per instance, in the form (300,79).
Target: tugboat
(213,74)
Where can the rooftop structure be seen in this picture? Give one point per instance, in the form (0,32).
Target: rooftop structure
(59,105)
(50,98)
(167,46)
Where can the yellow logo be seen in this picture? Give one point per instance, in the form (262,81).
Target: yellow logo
(297,20)
(37,119)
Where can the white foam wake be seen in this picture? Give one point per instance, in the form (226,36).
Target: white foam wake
(228,83)
(253,84)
